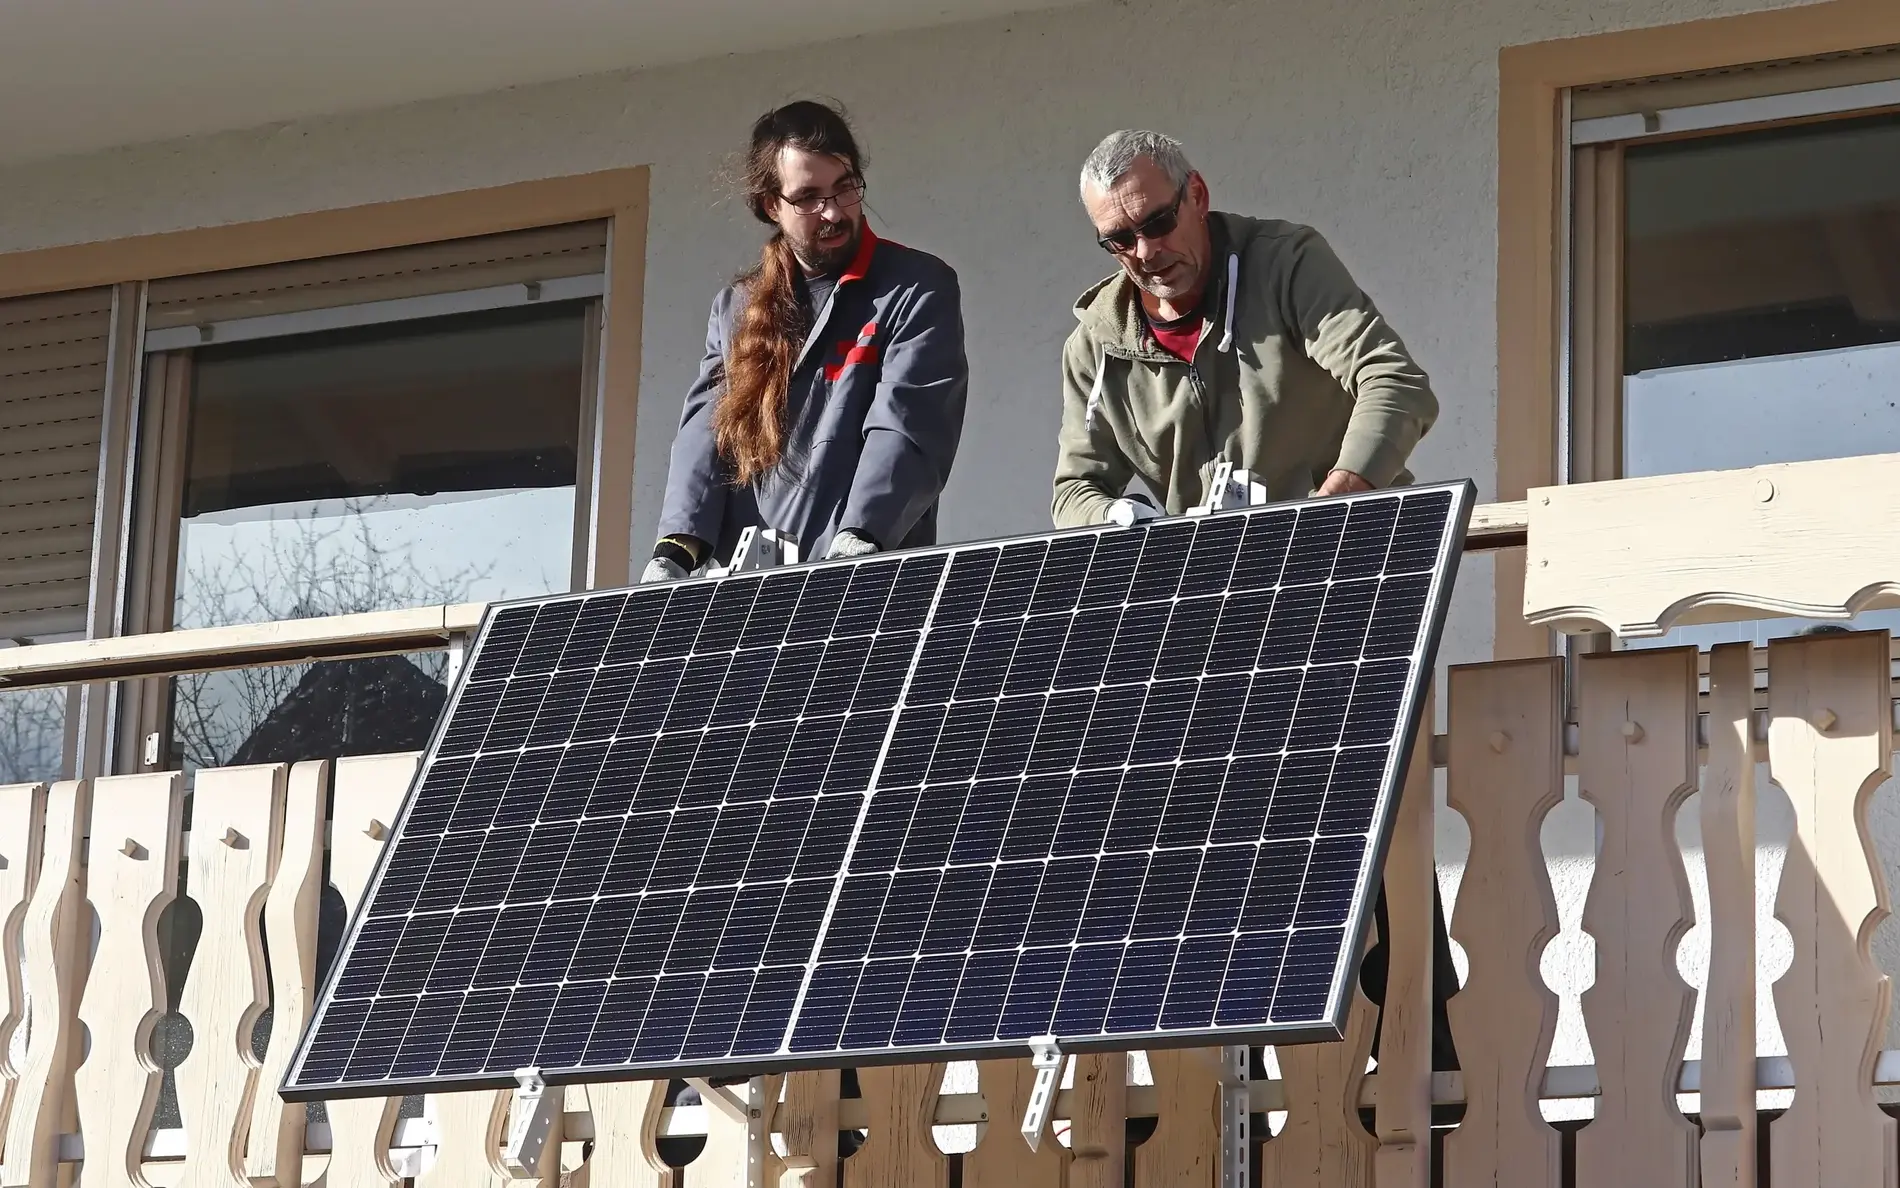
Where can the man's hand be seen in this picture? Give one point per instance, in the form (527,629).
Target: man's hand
(849,542)
(1343,482)
(1128,512)
(661,570)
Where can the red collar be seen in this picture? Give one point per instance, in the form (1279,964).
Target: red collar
(861,262)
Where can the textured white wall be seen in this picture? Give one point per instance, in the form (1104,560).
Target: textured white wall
(1374,121)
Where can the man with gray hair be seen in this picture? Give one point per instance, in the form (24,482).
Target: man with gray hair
(1221,338)
(1229,338)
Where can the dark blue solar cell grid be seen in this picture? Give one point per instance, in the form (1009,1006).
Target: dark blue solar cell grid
(1116,783)
(1131,789)
(640,800)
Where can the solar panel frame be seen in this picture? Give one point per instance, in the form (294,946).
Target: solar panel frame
(1328,1028)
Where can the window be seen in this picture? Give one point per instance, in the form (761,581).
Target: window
(313,459)
(1737,289)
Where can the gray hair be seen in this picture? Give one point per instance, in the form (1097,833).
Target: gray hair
(1115,156)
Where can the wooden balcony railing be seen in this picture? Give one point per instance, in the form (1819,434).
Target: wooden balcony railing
(87,868)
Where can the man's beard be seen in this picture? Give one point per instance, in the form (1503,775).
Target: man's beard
(828,256)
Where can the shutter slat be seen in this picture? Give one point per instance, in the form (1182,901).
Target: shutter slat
(52,394)
(65,406)
(53,513)
(56,356)
(52,542)
(32,503)
(47,306)
(545,253)
(50,569)
(26,439)
(1751,81)
(72,460)
(26,336)
(36,624)
(59,606)
(80,383)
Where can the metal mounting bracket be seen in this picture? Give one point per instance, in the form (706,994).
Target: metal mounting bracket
(758,548)
(718,1097)
(1230,488)
(530,1120)
(1048,1060)
(750,1110)
(1236,1110)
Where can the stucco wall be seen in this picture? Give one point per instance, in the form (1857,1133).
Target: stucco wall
(1374,121)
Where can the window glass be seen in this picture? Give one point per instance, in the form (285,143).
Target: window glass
(32,735)
(1762,298)
(365,470)
(1762,307)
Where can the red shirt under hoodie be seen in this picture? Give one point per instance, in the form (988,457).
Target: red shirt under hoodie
(1179,337)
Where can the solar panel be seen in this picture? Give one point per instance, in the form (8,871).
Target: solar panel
(1123,786)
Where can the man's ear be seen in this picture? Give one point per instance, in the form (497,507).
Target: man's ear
(1197,191)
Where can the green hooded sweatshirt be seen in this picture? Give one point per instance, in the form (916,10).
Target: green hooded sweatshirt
(1296,374)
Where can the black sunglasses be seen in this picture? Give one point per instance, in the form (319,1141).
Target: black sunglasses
(1156,225)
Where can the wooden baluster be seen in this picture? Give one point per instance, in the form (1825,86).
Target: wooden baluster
(1830,735)
(1403,1117)
(131,875)
(273,1157)
(1001,1159)
(1728,847)
(901,1103)
(808,1120)
(53,941)
(1324,1144)
(1505,775)
(468,1133)
(1184,1150)
(22,824)
(237,819)
(1636,718)
(1098,1121)
(367,792)
(626,1118)
(723,1162)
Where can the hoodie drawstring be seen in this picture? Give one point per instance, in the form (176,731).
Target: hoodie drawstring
(1233,279)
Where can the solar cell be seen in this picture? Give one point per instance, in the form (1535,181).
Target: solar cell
(1121,786)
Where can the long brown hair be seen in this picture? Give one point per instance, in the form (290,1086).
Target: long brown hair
(749,418)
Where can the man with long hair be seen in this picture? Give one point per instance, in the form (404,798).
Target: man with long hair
(1221,337)
(830,399)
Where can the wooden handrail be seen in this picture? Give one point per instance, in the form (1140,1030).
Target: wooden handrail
(382,633)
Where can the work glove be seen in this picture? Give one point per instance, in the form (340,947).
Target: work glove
(1129,511)
(849,542)
(661,569)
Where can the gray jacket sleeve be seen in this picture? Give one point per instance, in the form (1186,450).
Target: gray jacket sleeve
(916,419)
(696,480)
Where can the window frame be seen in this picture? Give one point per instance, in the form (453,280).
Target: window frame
(1536,312)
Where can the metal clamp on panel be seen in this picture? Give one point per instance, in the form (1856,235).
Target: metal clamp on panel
(1236,1111)
(1230,488)
(1048,1060)
(530,1119)
(758,548)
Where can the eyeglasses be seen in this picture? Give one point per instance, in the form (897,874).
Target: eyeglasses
(850,193)
(1155,226)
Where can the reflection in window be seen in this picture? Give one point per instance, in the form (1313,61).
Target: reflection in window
(1762,308)
(367,470)
(1762,297)
(32,735)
